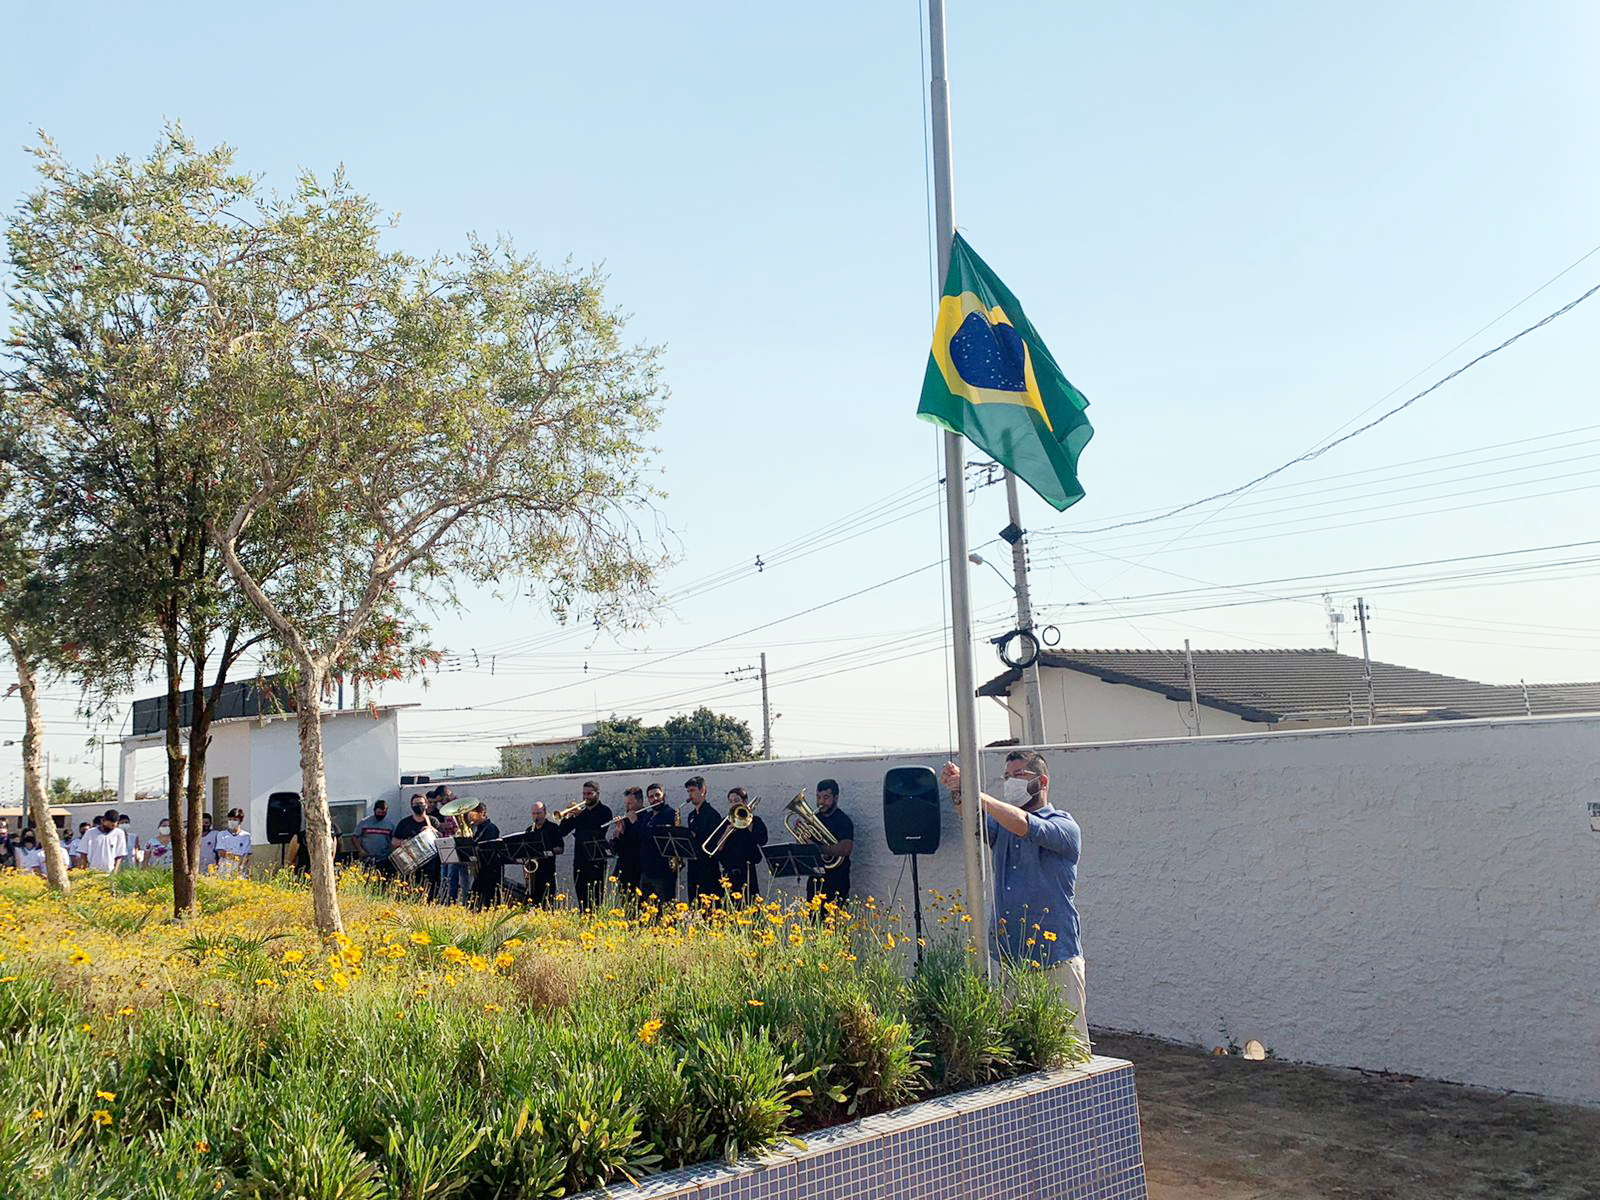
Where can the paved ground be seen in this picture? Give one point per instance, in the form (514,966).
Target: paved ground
(1228,1129)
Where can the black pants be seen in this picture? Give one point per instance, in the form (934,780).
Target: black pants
(704,883)
(541,881)
(834,886)
(661,890)
(588,883)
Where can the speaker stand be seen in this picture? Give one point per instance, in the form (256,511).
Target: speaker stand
(916,905)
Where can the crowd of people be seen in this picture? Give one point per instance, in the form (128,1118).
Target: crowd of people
(107,844)
(721,855)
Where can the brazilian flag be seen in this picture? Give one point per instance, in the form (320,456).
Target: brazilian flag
(991,380)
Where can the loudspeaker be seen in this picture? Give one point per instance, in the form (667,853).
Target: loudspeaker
(911,810)
(283,817)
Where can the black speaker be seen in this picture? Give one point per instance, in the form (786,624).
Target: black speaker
(911,810)
(283,817)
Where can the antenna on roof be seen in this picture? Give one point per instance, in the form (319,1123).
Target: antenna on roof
(1335,619)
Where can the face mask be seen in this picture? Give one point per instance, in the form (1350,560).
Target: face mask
(1016,792)
(233,826)
(417,808)
(163,830)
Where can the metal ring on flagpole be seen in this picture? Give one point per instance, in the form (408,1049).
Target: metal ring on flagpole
(1030,654)
(1050,636)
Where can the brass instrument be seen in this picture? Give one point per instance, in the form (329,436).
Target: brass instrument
(458,807)
(740,816)
(567,813)
(803,824)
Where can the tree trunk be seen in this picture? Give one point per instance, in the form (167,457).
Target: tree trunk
(186,834)
(314,800)
(55,858)
(195,788)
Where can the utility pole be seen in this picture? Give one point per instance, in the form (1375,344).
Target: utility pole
(1032,693)
(1362,613)
(766,712)
(1194,692)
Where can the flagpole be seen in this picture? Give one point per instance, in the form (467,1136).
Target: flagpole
(955,479)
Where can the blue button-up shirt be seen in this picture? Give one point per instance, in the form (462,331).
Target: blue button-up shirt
(1034,879)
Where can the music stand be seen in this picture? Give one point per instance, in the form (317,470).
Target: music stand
(796,859)
(674,843)
(520,848)
(492,853)
(449,851)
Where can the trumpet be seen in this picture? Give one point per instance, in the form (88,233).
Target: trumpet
(740,816)
(803,824)
(571,810)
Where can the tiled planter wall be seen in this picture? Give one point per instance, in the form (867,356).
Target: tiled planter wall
(1071,1134)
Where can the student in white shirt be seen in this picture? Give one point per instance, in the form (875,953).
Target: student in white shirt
(30,855)
(158,851)
(208,844)
(233,847)
(76,844)
(105,847)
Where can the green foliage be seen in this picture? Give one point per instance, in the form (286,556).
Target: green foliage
(1033,1025)
(964,1017)
(700,738)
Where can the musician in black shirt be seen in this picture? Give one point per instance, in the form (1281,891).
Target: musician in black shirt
(425,877)
(486,884)
(701,820)
(834,883)
(741,854)
(541,843)
(657,876)
(623,840)
(587,828)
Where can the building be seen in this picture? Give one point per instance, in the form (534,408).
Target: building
(255,751)
(1125,695)
(519,759)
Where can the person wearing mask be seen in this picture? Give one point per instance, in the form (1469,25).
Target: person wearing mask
(30,854)
(741,853)
(234,846)
(658,876)
(8,846)
(587,828)
(73,846)
(486,882)
(834,883)
(541,844)
(135,848)
(702,821)
(158,852)
(452,876)
(208,844)
(105,847)
(374,839)
(1036,852)
(623,839)
(428,875)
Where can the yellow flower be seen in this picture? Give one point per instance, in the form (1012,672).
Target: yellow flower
(8,979)
(1048,936)
(754,1003)
(37,1114)
(266,983)
(492,1008)
(125,1011)
(478,963)
(343,980)
(86,1028)
(319,985)
(202,1146)
(422,989)
(80,959)
(292,956)
(513,943)
(421,939)
(101,1117)
(650,1030)
(455,954)
(352,955)
(108,1097)
(503,961)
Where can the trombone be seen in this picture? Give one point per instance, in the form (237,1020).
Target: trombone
(803,824)
(740,816)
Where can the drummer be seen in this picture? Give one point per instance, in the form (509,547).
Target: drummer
(374,838)
(427,877)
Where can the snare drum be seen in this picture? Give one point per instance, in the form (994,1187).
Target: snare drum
(413,855)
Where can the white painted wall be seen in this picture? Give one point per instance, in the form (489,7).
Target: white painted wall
(1419,898)
(1079,707)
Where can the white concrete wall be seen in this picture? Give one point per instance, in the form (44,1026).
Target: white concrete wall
(1079,707)
(360,756)
(1421,898)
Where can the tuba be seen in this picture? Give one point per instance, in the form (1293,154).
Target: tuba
(740,816)
(804,826)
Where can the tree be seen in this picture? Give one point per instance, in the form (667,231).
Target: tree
(24,625)
(110,362)
(415,423)
(700,738)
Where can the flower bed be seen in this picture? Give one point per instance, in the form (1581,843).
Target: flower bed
(433,1053)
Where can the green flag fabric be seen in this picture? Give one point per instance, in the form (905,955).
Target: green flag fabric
(991,380)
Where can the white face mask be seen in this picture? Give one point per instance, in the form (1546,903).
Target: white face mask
(1016,792)
(233,826)
(163,830)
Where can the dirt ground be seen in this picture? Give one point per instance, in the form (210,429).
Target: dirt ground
(1228,1129)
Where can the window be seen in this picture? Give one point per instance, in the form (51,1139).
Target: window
(346,814)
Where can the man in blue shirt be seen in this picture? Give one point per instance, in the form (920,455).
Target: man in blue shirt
(1036,850)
